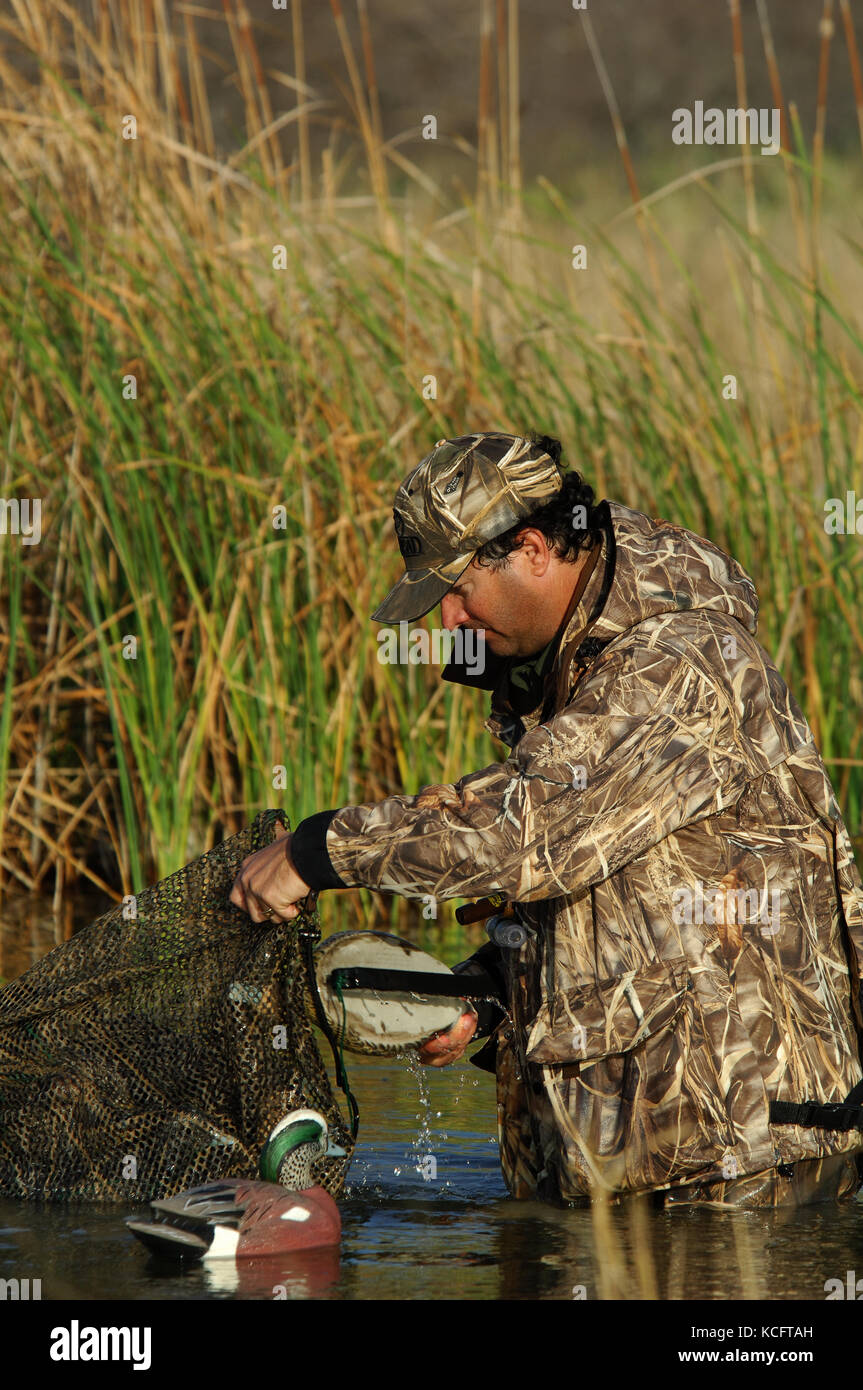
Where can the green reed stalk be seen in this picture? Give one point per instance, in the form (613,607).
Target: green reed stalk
(305,389)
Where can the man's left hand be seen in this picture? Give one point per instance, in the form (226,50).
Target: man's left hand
(268,886)
(445,1048)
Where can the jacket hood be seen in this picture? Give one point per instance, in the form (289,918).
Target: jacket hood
(661,568)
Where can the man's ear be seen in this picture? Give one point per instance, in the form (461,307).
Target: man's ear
(536,550)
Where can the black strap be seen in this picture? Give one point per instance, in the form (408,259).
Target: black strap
(308,939)
(590,648)
(843,1116)
(413,982)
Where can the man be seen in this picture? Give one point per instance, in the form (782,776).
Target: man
(663,829)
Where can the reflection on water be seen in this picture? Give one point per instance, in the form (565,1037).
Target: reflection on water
(29,927)
(426,1216)
(27,932)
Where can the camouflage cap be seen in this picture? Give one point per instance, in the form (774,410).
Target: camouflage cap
(462,494)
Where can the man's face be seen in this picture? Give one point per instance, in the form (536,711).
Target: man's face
(516,606)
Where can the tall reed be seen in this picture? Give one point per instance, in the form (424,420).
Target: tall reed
(216,434)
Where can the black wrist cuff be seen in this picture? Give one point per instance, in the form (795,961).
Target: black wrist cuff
(309,852)
(488,1016)
(485,961)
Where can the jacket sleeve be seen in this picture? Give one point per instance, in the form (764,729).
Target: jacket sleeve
(650,742)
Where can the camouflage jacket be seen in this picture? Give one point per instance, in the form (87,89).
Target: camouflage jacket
(665,825)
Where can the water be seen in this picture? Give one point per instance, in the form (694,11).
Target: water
(27,933)
(417,1230)
(426,1216)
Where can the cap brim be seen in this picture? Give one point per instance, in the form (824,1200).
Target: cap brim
(419,591)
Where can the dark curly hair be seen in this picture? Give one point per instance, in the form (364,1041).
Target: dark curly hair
(558,519)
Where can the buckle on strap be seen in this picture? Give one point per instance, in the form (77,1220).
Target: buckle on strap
(839,1116)
(835,1115)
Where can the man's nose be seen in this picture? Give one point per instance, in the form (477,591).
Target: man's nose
(452,613)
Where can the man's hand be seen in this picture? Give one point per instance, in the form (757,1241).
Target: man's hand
(268,886)
(447,1047)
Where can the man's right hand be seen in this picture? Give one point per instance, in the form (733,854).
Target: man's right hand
(447,1047)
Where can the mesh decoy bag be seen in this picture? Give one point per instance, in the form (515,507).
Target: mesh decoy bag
(158,1050)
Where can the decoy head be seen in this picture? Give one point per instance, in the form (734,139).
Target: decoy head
(295,1143)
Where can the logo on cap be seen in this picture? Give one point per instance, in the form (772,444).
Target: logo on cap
(409,545)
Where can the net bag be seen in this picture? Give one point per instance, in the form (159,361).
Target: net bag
(160,1046)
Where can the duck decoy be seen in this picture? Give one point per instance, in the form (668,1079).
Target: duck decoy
(239,1218)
